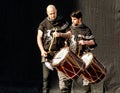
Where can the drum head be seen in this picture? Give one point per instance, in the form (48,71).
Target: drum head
(60,56)
(87,58)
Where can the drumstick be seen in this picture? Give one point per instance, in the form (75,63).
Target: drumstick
(80,46)
(52,42)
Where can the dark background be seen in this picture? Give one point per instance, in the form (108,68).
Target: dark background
(20,67)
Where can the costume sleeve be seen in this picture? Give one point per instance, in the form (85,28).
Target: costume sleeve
(41,27)
(64,27)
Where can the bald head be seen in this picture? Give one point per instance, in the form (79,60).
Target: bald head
(51,12)
(49,7)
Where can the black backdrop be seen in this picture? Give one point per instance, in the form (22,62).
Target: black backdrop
(20,67)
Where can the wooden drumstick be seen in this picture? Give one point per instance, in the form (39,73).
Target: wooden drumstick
(80,46)
(53,39)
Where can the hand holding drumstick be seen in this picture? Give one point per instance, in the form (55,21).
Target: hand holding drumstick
(53,39)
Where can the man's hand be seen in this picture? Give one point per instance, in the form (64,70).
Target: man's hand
(44,53)
(56,34)
(82,42)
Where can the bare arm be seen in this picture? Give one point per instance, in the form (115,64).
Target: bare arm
(40,44)
(68,34)
(87,42)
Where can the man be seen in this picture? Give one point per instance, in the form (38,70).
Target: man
(51,38)
(82,41)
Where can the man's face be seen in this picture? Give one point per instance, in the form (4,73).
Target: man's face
(76,21)
(52,13)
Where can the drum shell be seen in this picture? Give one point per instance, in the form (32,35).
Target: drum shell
(95,71)
(71,65)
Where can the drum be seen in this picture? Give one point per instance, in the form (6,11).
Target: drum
(68,63)
(94,71)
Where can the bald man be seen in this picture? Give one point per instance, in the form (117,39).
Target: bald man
(51,12)
(52,26)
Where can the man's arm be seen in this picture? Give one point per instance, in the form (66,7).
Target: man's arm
(40,44)
(68,34)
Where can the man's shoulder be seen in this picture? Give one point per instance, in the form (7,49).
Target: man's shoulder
(44,21)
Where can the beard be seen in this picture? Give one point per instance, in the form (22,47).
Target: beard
(75,25)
